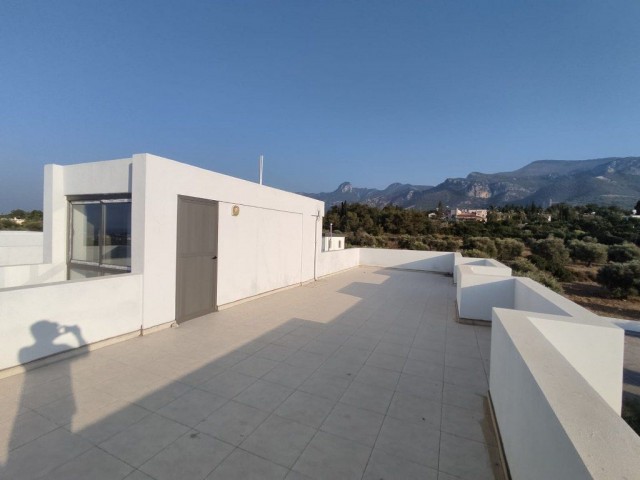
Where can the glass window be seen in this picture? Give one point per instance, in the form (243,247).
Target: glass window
(85,233)
(100,237)
(117,234)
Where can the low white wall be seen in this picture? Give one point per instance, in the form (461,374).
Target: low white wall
(594,347)
(20,248)
(496,267)
(531,296)
(410,259)
(336,261)
(101,308)
(333,243)
(479,289)
(481,267)
(477,294)
(21,275)
(553,422)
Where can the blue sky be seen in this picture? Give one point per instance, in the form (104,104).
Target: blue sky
(366,91)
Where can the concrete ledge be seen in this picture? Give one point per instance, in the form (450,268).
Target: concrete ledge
(557,415)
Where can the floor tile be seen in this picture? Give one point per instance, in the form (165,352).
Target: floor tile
(378,377)
(143,440)
(95,464)
(254,366)
(288,375)
(386,361)
(417,410)
(417,443)
(420,387)
(233,422)
(25,428)
(306,408)
(389,467)
(326,386)
(192,407)
(353,423)
(192,457)
(279,440)
(465,459)
(467,424)
(328,457)
(275,352)
(43,455)
(102,424)
(432,371)
(228,384)
(246,466)
(266,396)
(369,397)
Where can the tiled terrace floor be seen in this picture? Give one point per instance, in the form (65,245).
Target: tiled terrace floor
(364,374)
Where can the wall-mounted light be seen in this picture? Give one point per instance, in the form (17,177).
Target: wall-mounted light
(235,210)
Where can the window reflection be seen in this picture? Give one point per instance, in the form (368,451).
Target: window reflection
(117,234)
(85,242)
(100,237)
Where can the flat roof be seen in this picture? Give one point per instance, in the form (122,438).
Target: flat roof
(364,374)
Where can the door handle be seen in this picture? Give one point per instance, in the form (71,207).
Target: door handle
(214,258)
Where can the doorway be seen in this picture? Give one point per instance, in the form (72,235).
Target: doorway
(197,258)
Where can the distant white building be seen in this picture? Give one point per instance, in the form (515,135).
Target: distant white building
(330,244)
(465,214)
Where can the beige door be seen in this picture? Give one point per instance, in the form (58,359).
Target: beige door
(197,258)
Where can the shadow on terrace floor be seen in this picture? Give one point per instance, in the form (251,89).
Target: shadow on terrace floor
(364,374)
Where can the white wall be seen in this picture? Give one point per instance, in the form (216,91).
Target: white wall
(594,347)
(410,259)
(106,178)
(20,247)
(102,308)
(553,422)
(338,260)
(333,243)
(489,266)
(534,297)
(248,252)
(21,275)
(253,256)
(478,294)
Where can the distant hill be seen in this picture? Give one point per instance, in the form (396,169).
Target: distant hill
(395,194)
(605,181)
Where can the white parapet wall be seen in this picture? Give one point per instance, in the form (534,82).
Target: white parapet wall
(337,261)
(478,293)
(534,297)
(333,243)
(441,262)
(484,266)
(21,248)
(98,309)
(555,386)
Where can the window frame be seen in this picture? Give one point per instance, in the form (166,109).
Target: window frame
(99,266)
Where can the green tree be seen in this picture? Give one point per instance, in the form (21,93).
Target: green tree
(509,249)
(485,245)
(588,252)
(621,279)
(623,253)
(551,255)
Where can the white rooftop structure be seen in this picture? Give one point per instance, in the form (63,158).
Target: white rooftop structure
(360,363)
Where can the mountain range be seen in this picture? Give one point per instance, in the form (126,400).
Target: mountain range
(604,181)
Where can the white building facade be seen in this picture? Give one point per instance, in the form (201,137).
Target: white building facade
(111,244)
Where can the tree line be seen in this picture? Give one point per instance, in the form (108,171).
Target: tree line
(21,220)
(536,242)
